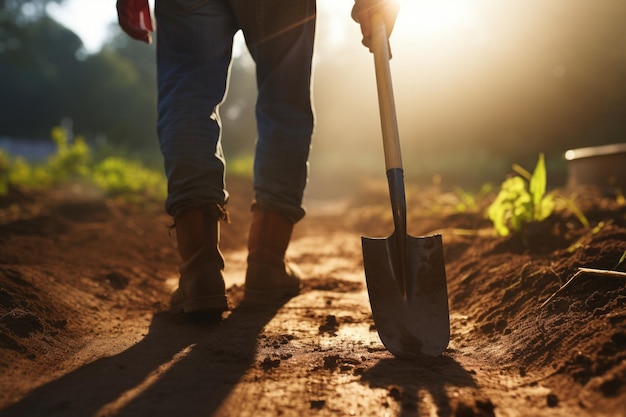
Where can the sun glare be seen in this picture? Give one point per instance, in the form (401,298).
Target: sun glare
(432,18)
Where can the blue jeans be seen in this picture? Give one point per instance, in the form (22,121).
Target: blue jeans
(194,52)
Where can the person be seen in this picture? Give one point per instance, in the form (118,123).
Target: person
(194,52)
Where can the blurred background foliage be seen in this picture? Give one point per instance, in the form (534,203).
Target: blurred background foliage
(517,79)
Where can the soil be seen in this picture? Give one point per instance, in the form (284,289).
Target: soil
(84,327)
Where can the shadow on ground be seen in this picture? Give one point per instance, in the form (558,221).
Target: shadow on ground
(179,368)
(413,382)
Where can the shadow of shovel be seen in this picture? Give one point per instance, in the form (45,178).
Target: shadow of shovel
(406,276)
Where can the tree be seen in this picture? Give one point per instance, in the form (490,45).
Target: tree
(38,60)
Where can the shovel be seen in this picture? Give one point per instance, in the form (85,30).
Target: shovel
(406,276)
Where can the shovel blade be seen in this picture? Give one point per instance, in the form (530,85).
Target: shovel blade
(416,323)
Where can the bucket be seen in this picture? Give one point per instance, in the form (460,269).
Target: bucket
(603,166)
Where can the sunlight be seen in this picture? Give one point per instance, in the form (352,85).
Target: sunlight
(431,18)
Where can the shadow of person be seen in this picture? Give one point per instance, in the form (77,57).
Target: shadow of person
(181,367)
(421,381)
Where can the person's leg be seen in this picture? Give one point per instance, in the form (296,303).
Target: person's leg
(194,43)
(194,46)
(279,35)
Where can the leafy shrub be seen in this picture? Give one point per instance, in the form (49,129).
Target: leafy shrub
(120,177)
(22,174)
(72,161)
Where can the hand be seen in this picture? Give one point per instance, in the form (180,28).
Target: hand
(135,19)
(363,11)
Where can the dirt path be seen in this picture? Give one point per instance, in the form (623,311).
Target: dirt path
(84,283)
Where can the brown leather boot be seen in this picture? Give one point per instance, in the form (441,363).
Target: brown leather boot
(270,277)
(201,287)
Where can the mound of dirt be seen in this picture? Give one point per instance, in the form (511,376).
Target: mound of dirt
(85,282)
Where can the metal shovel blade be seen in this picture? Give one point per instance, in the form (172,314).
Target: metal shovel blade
(414,323)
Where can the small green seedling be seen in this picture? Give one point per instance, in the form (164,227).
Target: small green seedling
(567,203)
(468,202)
(621,260)
(522,199)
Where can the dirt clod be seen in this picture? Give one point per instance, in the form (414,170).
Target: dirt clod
(330,326)
(22,323)
(269,363)
(317,404)
(552,400)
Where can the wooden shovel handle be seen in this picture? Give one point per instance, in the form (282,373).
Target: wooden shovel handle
(388,120)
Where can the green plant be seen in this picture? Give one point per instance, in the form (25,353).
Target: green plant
(583,240)
(468,202)
(71,159)
(4,172)
(22,174)
(16,172)
(128,179)
(621,200)
(117,177)
(621,260)
(241,166)
(522,199)
(563,203)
